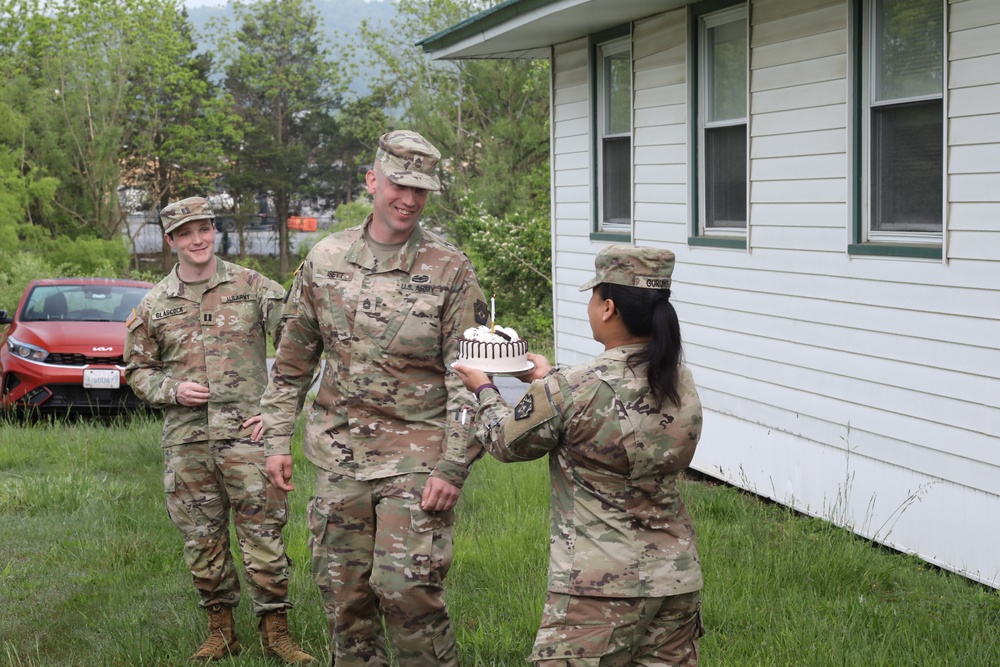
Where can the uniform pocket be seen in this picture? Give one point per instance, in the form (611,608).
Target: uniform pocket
(414,329)
(430,543)
(169,482)
(584,645)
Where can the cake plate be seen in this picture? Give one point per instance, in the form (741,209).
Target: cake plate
(520,371)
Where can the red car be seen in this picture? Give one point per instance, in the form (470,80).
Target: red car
(62,351)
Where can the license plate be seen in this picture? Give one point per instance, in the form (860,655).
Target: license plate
(101,379)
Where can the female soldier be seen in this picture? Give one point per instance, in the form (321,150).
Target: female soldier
(624,578)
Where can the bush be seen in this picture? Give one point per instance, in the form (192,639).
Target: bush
(513,259)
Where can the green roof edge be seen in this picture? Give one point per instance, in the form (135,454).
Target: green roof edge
(488,18)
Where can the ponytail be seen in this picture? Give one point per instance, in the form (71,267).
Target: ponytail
(649,313)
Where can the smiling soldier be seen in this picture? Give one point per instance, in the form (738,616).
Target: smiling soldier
(386,301)
(196,348)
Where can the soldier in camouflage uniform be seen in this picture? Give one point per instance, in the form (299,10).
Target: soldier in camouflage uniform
(196,347)
(624,577)
(390,429)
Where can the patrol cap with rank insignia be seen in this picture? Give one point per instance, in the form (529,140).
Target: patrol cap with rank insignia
(408,159)
(176,214)
(634,266)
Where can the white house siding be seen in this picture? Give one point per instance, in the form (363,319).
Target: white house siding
(862,389)
(572,250)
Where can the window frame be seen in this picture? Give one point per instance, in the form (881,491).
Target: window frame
(606,44)
(865,240)
(706,15)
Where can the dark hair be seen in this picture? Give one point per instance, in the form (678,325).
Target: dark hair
(648,312)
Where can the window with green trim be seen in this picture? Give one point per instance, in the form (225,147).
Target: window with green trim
(613,135)
(901,119)
(721,137)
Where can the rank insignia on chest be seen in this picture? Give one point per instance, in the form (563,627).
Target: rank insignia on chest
(206,318)
(367,305)
(525,407)
(482,312)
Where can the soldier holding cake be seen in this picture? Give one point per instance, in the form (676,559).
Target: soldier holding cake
(624,576)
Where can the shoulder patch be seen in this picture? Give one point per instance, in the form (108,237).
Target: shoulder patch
(133,321)
(533,410)
(482,312)
(525,407)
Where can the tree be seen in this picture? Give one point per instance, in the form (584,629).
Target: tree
(346,144)
(113,93)
(283,88)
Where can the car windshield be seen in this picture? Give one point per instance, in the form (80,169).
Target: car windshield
(82,303)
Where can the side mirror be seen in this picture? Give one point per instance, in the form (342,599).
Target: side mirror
(4,319)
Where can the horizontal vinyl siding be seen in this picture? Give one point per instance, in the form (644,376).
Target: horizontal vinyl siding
(572,162)
(973,163)
(660,138)
(798,91)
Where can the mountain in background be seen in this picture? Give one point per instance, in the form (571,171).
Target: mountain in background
(340,18)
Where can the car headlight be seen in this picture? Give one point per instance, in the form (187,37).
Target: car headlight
(25,351)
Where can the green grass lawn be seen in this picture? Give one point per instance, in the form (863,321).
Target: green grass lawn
(91,571)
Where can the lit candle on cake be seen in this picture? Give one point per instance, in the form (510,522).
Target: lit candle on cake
(493,313)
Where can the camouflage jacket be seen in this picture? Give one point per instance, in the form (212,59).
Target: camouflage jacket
(217,341)
(388,404)
(618,525)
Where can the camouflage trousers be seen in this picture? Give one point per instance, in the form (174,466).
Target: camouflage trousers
(203,482)
(378,558)
(579,631)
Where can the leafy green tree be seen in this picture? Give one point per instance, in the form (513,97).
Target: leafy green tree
(283,87)
(114,94)
(22,186)
(346,144)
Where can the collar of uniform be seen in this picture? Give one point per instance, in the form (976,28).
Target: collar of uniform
(621,352)
(222,275)
(359,253)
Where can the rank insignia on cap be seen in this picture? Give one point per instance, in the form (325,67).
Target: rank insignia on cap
(525,407)
(482,312)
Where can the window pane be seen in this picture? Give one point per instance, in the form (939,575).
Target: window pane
(910,48)
(907,167)
(727,71)
(726,176)
(617,193)
(618,75)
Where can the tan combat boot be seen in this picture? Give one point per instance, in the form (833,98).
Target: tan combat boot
(221,635)
(277,641)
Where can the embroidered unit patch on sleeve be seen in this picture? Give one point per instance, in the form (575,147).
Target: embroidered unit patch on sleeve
(533,410)
(525,407)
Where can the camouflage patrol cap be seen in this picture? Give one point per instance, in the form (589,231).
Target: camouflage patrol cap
(408,159)
(177,213)
(633,266)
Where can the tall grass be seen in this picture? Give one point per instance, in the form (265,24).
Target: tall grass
(91,570)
